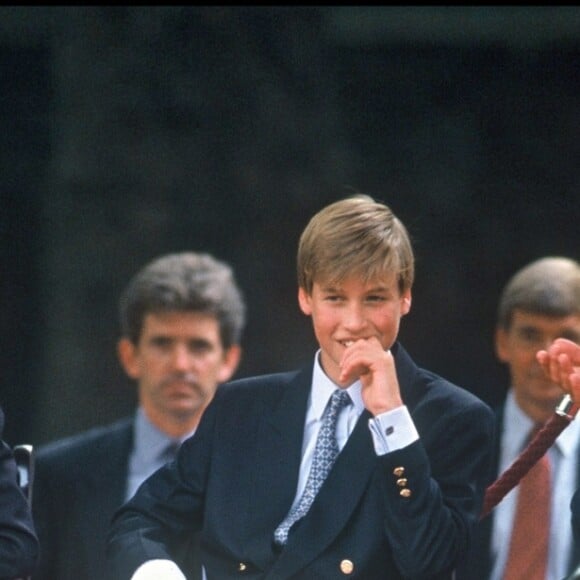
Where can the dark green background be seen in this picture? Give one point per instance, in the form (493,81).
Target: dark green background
(126,133)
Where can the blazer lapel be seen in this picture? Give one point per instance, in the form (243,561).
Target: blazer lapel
(278,456)
(333,505)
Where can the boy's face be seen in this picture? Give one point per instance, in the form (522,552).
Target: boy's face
(350,310)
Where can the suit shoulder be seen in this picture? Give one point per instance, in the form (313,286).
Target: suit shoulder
(423,388)
(443,393)
(92,443)
(267,383)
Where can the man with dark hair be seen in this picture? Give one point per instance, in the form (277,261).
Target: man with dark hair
(182,317)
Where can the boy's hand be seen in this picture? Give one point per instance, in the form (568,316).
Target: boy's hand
(366,360)
(561,363)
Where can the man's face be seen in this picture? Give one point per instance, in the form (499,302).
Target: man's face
(178,363)
(342,313)
(517,347)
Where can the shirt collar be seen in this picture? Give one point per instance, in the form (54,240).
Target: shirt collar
(323,387)
(149,441)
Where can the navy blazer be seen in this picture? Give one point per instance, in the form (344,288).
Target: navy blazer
(477,564)
(236,477)
(79,483)
(18,542)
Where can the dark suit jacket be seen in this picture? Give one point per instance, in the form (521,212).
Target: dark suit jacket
(79,483)
(18,543)
(236,478)
(477,563)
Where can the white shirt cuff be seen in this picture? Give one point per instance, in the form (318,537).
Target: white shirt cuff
(393,430)
(158,570)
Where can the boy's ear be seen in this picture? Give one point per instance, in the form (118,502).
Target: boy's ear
(304,300)
(407,299)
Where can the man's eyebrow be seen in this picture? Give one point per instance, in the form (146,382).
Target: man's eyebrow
(528,328)
(199,341)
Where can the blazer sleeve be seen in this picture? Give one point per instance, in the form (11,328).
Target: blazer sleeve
(434,487)
(18,541)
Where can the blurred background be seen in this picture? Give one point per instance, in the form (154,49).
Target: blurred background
(131,132)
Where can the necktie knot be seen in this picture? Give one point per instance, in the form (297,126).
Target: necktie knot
(339,399)
(169,452)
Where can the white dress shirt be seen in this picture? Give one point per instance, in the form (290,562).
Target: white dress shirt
(397,423)
(390,431)
(563,456)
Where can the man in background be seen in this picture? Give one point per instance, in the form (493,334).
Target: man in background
(539,304)
(181,319)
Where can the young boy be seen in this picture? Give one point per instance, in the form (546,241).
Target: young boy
(400,499)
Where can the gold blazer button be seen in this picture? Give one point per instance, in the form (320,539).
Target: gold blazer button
(398,471)
(346,567)
(405,492)
(241,567)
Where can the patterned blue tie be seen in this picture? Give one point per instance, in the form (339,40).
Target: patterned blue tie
(325,453)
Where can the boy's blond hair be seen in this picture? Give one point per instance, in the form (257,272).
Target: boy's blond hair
(355,236)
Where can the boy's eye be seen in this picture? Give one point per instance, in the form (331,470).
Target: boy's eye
(376,298)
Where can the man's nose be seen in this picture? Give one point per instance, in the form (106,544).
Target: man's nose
(181,359)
